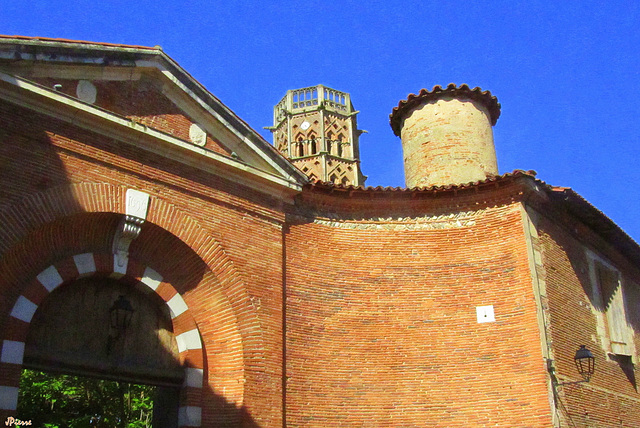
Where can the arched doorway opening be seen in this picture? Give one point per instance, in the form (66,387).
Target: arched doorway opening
(82,329)
(58,400)
(205,294)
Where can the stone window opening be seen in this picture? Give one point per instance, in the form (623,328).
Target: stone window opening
(314,148)
(300,147)
(610,301)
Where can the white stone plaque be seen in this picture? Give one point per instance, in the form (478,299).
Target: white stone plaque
(86,91)
(137,203)
(197,135)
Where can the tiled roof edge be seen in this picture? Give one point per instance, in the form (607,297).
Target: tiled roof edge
(75,42)
(413,100)
(185,78)
(564,197)
(330,187)
(594,218)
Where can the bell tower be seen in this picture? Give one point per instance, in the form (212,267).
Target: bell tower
(316,129)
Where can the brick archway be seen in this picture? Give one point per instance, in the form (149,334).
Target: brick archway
(91,264)
(36,230)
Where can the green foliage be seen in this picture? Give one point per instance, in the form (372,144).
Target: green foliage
(56,401)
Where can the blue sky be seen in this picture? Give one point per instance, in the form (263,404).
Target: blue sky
(566,73)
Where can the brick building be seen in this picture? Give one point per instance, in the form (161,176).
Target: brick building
(263,298)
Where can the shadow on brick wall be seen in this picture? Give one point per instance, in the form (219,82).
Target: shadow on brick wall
(628,368)
(39,155)
(601,295)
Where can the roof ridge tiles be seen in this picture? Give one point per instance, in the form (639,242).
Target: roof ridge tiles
(79,42)
(413,100)
(325,185)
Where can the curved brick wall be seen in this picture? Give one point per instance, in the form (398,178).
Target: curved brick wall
(382,328)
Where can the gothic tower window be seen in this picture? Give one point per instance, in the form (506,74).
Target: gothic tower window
(313,145)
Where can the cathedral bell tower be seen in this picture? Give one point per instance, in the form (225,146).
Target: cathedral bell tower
(315,128)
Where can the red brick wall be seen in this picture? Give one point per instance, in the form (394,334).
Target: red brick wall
(382,330)
(611,399)
(55,175)
(141,101)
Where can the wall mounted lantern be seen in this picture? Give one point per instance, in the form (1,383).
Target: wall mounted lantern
(119,319)
(120,315)
(585,363)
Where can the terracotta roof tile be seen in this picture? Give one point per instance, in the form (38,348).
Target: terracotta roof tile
(80,42)
(327,185)
(561,198)
(596,219)
(413,100)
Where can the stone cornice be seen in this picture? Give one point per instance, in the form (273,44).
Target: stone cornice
(180,86)
(60,106)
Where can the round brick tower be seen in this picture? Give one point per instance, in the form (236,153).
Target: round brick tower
(447,136)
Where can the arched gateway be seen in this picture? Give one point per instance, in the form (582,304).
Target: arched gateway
(70,258)
(65,315)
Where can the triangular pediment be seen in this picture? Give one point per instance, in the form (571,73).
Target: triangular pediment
(146,87)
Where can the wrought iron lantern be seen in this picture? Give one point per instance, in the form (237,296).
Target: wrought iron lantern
(120,315)
(585,363)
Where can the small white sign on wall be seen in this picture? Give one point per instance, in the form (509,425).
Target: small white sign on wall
(137,203)
(485,313)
